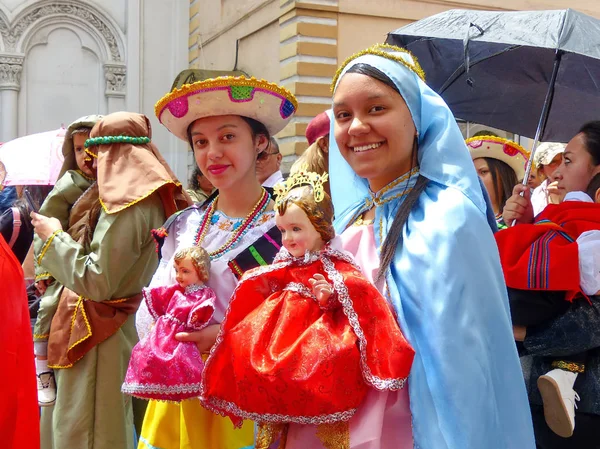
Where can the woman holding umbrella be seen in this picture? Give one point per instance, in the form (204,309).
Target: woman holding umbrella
(574,331)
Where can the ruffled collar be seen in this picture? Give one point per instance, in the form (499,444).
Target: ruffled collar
(331,249)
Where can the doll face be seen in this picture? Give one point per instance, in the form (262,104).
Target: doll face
(298,234)
(185,273)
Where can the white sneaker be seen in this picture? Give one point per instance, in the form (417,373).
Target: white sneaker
(46,389)
(558,396)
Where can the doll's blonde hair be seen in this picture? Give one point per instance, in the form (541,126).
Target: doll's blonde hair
(200,260)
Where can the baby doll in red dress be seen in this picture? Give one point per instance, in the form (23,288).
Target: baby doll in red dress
(306,337)
(161,367)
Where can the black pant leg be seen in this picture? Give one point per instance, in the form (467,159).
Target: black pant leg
(533,307)
(585,436)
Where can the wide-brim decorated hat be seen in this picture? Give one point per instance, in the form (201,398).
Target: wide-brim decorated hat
(507,151)
(260,100)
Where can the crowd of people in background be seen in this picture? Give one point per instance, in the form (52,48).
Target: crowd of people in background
(493,282)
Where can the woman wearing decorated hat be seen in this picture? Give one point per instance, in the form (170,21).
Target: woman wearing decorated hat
(227,121)
(500,163)
(414,217)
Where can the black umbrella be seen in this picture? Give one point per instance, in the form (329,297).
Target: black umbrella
(533,73)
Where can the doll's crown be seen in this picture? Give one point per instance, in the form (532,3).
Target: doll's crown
(302,177)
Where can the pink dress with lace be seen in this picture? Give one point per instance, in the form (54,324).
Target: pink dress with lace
(383,420)
(161,367)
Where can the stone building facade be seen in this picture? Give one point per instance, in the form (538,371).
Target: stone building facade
(61,59)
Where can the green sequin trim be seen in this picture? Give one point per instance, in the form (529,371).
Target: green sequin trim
(104,140)
(241,92)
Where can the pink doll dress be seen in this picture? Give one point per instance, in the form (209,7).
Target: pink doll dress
(161,367)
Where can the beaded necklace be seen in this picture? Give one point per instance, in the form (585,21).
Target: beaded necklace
(258,209)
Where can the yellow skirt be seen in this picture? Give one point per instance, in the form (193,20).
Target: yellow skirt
(188,425)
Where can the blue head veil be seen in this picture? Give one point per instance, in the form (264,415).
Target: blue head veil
(445,282)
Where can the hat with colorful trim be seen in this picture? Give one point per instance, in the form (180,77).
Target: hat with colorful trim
(507,151)
(266,102)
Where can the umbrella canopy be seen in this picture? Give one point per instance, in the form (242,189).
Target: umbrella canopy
(33,160)
(495,68)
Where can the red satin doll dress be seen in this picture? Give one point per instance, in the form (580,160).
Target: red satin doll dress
(282,358)
(161,367)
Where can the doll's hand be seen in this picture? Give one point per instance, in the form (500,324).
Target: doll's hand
(321,289)
(204,339)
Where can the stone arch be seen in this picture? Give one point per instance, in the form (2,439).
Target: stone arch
(4,25)
(74,12)
(88,37)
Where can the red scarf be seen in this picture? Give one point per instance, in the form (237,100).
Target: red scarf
(544,255)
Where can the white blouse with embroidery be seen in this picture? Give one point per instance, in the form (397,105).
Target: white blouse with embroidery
(182,234)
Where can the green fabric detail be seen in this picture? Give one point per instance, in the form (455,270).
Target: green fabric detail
(257,256)
(241,92)
(116,139)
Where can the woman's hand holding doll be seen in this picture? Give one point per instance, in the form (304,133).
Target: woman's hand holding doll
(204,339)
(321,289)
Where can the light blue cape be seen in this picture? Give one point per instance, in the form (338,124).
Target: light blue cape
(445,284)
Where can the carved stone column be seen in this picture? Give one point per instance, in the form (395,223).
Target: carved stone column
(10,83)
(116,86)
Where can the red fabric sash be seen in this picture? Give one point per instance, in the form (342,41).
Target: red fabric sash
(544,255)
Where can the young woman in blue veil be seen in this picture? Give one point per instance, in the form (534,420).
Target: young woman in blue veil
(409,206)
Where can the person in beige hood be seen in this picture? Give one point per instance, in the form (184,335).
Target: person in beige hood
(102,260)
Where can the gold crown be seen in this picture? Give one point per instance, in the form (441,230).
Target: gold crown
(385,51)
(302,177)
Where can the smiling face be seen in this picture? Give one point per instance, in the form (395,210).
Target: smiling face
(225,150)
(373,129)
(297,232)
(185,272)
(577,168)
(80,154)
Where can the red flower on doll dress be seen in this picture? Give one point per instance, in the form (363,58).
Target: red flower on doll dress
(161,367)
(280,357)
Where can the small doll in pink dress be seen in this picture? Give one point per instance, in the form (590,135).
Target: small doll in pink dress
(161,367)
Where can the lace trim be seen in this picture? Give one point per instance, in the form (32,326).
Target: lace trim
(47,245)
(224,408)
(148,299)
(301,289)
(133,388)
(193,288)
(346,301)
